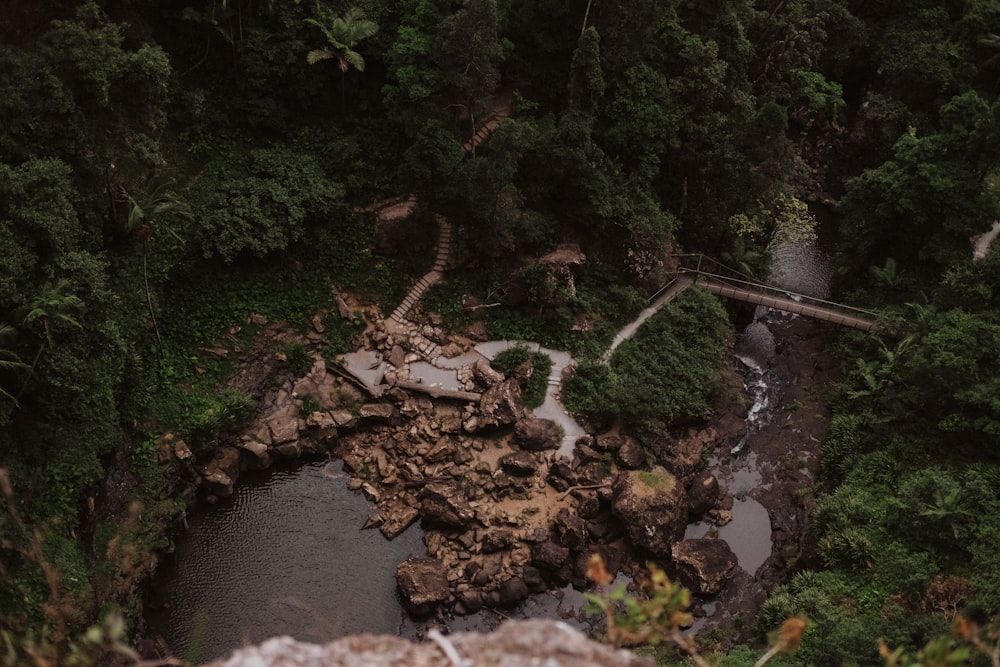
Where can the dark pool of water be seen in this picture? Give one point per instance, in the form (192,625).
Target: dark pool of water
(286,556)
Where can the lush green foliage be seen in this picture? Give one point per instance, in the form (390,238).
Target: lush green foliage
(662,376)
(541,365)
(714,125)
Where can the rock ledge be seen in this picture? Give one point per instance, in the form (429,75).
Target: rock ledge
(513,644)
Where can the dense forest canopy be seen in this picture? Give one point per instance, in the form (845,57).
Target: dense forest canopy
(168,167)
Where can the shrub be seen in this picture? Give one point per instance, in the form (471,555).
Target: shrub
(541,366)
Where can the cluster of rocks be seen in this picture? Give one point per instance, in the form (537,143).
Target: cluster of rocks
(503,515)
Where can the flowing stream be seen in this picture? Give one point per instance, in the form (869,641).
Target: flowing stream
(802,268)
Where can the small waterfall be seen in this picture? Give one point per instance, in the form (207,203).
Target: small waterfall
(799,267)
(754,350)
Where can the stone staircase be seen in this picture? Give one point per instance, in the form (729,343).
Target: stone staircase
(432,277)
(486,129)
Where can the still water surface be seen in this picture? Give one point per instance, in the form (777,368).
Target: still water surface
(286,556)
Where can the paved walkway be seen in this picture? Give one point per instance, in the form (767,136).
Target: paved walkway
(679,284)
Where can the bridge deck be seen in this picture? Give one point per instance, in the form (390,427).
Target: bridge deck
(786,304)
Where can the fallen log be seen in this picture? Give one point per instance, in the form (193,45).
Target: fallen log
(439,392)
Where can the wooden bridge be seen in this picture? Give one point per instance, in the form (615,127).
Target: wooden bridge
(735,285)
(732,284)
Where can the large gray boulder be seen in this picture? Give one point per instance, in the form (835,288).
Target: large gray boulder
(501,405)
(422,584)
(444,504)
(703,564)
(653,507)
(537,434)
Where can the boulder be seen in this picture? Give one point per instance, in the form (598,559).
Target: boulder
(703,564)
(631,455)
(513,591)
(397,357)
(182,451)
(377,412)
(284,425)
(562,470)
(653,507)
(485,375)
(221,473)
(608,443)
(422,584)
(549,556)
(343,418)
(469,601)
(259,458)
(500,405)
(537,434)
(588,503)
(397,516)
(514,644)
(444,504)
(703,494)
(519,464)
(288,450)
(570,530)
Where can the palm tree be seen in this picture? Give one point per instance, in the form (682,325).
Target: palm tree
(887,274)
(9,361)
(52,305)
(342,34)
(743,257)
(148,207)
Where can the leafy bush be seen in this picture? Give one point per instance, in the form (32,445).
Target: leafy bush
(664,374)
(541,366)
(299,357)
(229,409)
(261,201)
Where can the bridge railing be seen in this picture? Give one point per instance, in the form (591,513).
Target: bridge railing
(701,265)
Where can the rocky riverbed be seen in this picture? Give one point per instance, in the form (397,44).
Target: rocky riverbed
(504,515)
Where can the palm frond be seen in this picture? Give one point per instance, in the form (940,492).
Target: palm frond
(319,55)
(354,59)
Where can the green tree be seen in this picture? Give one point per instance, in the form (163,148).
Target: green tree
(261,201)
(52,307)
(924,203)
(153,207)
(342,34)
(586,81)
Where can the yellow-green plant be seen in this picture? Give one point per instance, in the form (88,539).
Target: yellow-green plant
(968,641)
(661,614)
